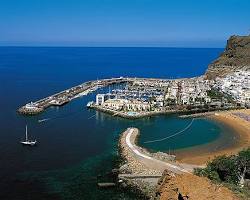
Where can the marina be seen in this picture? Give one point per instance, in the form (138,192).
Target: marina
(149,97)
(66,96)
(142,97)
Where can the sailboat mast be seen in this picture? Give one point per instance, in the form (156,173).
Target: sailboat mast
(26,134)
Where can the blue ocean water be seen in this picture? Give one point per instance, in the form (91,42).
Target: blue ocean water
(76,145)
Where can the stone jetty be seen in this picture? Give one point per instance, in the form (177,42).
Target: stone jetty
(141,170)
(66,96)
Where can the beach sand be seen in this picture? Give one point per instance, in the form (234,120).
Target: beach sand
(239,125)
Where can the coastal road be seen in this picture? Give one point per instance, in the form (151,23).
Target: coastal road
(152,162)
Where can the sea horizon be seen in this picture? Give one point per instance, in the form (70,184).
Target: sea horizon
(89,46)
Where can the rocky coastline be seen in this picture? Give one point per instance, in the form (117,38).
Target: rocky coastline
(25,111)
(136,176)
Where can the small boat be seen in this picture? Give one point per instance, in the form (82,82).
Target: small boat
(43,120)
(89,104)
(106,185)
(27,141)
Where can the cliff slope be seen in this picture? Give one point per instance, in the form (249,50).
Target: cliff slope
(236,56)
(191,187)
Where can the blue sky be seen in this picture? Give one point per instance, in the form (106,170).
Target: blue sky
(173,23)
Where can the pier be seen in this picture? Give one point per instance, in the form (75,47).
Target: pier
(66,96)
(63,97)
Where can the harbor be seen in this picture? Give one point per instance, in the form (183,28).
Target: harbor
(61,98)
(65,96)
(140,98)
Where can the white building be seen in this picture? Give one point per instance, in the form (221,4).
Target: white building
(115,104)
(100,99)
(237,85)
(135,105)
(31,106)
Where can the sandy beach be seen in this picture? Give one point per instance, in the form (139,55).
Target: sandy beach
(153,176)
(238,121)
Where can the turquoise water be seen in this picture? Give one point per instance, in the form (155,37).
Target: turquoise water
(76,144)
(200,132)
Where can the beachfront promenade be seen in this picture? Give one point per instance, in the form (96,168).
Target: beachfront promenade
(66,96)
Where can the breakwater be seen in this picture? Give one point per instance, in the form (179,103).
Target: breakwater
(142,170)
(63,97)
(66,96)
(134,174)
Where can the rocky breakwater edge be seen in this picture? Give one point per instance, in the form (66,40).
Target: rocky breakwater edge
(142,171)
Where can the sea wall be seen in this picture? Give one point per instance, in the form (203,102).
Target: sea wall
(133,173)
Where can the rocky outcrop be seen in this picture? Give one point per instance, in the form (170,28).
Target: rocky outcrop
(191,187)
(236,56)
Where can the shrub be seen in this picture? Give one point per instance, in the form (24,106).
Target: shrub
(229,169)
(207,172)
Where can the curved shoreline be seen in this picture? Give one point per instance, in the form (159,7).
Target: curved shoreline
(153,176)
(141,170)
(145,157)
(241,129)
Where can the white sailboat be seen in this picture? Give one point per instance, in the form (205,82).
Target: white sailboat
(27,141)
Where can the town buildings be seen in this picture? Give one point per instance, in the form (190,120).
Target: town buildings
(236,85)
(144,95)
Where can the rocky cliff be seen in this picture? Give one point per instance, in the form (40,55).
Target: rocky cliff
(235,56)
(191,187)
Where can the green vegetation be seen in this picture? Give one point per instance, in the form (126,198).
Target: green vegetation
(216,94)
(170,102)
(233,171)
